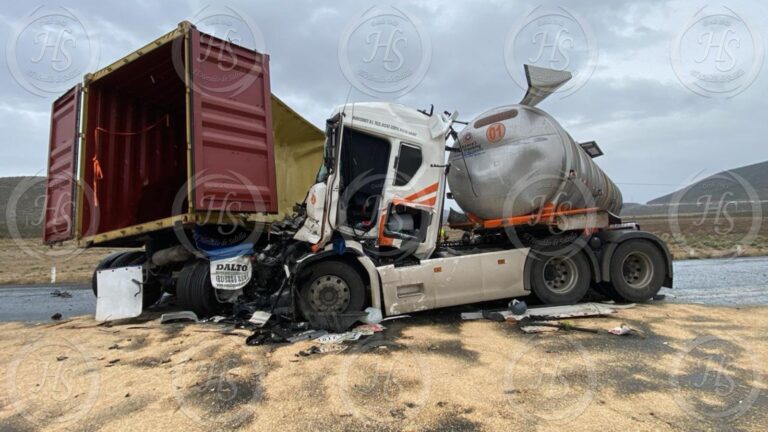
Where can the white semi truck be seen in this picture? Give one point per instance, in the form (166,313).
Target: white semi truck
(155,152)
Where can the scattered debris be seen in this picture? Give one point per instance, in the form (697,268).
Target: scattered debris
(181,316)
(552,312)
(322,349)
(56,316)
(374,316)
(61,358)
(517,307)
(114,346)
(307,335)
(62,294)
(624,330)
(528,325)
(259,318)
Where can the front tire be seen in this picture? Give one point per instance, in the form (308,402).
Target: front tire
(637,270)
(332,287)
(560,279)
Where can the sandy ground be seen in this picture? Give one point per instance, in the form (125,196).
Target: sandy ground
(28,261)
(698,368)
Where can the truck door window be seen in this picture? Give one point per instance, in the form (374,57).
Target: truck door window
(407,164)
(407,223)
(364,162)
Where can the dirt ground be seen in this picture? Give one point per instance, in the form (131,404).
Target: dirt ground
(28,261)
(697,368)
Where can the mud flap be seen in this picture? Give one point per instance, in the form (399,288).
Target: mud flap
(121,293)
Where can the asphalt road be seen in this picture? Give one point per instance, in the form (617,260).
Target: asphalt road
(729,282)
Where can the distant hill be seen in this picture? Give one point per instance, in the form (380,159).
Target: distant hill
(738,184)
(28,202)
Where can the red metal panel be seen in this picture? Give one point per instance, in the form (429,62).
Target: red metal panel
(233,153)
(62,159)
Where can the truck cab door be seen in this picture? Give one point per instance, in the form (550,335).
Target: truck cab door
(411,211)
(60,189)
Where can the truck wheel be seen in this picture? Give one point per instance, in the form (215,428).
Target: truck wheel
(637,270)
(332,287)
(151,290)
(561,279)
(194,290)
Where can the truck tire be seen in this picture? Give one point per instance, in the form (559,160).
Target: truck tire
(194,290)
(560,279)
(637,270)
(332,287)
(151,289)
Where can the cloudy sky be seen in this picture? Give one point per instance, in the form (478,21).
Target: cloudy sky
(671,90)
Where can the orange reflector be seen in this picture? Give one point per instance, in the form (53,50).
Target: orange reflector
(502,261)
(438,269)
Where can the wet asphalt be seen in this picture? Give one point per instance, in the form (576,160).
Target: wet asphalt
(722,282)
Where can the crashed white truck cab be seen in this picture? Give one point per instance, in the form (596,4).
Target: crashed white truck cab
(385,190)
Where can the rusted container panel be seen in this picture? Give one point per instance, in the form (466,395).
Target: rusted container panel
(62,158)
(233,150)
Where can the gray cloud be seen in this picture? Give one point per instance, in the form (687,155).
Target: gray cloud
(655,132)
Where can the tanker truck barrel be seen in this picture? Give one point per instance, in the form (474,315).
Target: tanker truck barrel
(514,160)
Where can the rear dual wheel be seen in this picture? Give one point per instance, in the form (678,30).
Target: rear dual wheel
(637,271)
(151,290)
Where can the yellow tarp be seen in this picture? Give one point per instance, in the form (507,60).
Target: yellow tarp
(298,154)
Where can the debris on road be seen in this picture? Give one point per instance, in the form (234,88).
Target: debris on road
(62,294)
(624,330)
(181,316)
(528,325)
(56,316)
(551,312)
